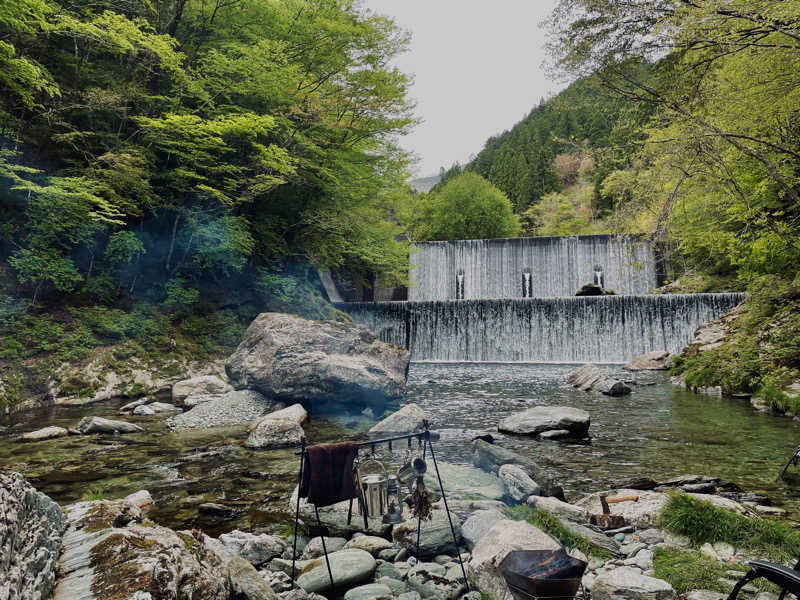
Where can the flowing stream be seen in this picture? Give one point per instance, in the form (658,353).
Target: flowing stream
(659,430)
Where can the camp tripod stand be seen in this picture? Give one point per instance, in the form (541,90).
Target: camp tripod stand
(424,439)
(795,460)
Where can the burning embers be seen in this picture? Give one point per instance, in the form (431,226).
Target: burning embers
(534,574)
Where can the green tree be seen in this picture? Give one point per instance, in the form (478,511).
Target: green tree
(466,207)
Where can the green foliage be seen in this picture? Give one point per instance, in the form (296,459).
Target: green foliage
(466,207)
(689,571)
(94,493)
(553,527)
(763,354)
(702,522)
(187,149)
(179,295)
(716,177)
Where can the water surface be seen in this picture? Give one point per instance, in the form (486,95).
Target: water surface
(659,431)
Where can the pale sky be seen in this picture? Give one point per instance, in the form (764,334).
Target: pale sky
(477,70)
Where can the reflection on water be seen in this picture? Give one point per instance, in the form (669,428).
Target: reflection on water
(659,430)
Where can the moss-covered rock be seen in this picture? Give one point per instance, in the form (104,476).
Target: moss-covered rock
(111,552)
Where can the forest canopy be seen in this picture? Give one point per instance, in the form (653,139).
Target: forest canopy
(160,149)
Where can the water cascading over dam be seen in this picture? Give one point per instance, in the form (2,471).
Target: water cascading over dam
(583,329)
(539,267)
(513,300)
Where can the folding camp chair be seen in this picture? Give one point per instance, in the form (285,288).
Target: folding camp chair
(788,580)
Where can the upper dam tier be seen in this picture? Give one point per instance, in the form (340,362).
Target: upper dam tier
(537,267)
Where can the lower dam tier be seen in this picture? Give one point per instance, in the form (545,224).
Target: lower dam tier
(610,329)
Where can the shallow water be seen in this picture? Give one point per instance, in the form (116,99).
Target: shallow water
(659,430)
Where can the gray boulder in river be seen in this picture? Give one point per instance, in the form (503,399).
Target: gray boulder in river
(30,539)
(658,360)
(538,419)
(592,378)
(288,357)
(101,425)
(278,429)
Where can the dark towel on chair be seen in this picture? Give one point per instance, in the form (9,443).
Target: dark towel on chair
(328,474)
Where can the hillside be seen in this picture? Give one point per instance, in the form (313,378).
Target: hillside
(425,184)
(541,153)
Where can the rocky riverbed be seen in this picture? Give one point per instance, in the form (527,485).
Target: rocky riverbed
(193,497)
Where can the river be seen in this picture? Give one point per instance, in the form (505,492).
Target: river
(659,430)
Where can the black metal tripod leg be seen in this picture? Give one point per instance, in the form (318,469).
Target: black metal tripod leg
(324,549)
(751,575)
(297,508)
(449,518)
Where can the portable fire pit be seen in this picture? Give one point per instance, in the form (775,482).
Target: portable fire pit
(539,574)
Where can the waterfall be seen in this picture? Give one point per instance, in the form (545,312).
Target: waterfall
(558,266)
(567,329)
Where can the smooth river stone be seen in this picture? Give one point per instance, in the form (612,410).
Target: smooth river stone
(46,433)
(349,567)
(101,425)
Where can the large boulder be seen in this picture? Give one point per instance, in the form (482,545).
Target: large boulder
(289,357)
(658,360)
(491,457)
(558,508)
(504,536)
(111,552)
(591,378)
(627,583)
(538,419)
(436,537)
(30,539)
(349,567)
(278,429)
(408,419)
(202,385)
(234,408)
(464,481)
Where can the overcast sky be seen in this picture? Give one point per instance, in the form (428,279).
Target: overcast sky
(477,69)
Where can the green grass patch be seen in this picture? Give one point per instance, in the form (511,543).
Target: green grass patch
(688,571)
(703,522)
(550,524)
